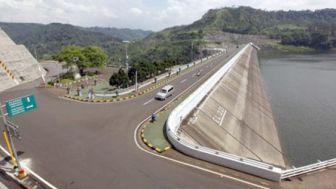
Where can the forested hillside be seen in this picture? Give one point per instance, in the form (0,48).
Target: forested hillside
(46,40)
(316,29)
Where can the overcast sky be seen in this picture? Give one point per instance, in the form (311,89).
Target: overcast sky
(144,14)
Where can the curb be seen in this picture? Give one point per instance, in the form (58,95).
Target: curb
(157,149)
(75,98)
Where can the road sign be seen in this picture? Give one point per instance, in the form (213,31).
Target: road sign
(20,105)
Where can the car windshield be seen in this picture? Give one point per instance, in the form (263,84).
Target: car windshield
(163,90)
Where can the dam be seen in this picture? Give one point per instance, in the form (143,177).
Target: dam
(236,117)
(228,121)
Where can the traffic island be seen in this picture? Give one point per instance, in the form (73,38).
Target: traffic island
(124,97)
(152,133)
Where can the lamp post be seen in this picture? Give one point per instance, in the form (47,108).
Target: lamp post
(192,50)
(126,55)
(136,80)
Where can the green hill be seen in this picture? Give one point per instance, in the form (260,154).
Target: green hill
(49,39)
(178,45)
(121,33)
(315,29)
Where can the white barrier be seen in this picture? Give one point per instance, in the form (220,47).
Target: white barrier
(229,160)
(308,168)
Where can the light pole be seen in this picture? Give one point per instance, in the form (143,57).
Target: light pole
(136,80)
(192,50)
(126,55)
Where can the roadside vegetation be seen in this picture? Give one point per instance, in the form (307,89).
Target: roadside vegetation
(82,57)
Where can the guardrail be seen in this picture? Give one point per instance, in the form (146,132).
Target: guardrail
(236,162)
(308,168)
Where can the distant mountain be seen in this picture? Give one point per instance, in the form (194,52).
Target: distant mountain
(50,38)
(315,29)
(122,33)
(180,44)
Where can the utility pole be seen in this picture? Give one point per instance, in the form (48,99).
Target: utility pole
(10,144)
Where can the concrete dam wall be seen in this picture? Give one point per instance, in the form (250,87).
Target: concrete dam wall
(236,116)
(228,120)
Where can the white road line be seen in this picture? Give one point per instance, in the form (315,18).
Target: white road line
(190,165)
(38,177)
(149,101)
(184,80)
(221,121)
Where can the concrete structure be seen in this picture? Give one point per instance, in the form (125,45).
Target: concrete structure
(17,65)
(236,116)
(229,113)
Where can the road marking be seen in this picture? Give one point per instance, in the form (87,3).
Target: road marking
(221,121)
(38,177)
(191,165)
(184,80)
(149,101)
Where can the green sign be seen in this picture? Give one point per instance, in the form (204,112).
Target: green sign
(20,105)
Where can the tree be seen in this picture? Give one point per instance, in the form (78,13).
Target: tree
(320,41)
(72,55)
(120,79)
(90,56)
(95,56)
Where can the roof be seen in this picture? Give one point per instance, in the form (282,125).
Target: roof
(167,87)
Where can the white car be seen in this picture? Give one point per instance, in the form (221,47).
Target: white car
(165,92)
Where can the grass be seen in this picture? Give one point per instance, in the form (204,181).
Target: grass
(66,81)
(291,48)
(154,132)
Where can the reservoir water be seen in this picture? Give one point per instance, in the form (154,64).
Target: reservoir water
(302,93)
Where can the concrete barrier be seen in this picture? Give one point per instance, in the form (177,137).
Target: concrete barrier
(229,160)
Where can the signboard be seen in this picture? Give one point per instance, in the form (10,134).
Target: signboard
(20,105)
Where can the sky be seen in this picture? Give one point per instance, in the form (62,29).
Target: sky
(135,14)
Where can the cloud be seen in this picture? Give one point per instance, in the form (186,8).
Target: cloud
(145,14)
(135,11)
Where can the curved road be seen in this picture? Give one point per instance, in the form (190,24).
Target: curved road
(76,145)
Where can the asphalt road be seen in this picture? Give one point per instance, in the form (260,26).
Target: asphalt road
(76,145)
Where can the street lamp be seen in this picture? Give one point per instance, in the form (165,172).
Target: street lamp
(192,50)
(126,55)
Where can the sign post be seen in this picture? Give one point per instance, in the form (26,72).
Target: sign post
(15,107)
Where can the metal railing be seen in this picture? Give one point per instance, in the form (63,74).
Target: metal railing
(308,168)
